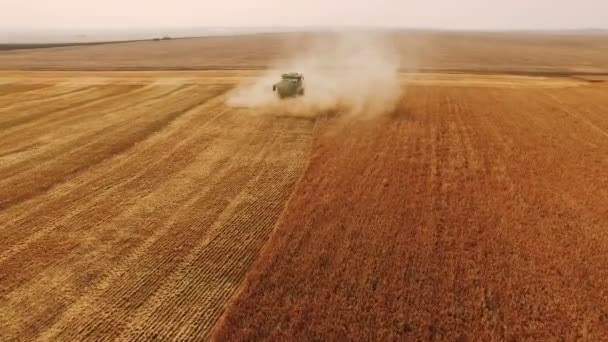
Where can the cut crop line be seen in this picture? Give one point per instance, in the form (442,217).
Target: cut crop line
(43,205)
(43,99)
(7,253)
(77,108)
(183,143)
(139,107)
(21,93)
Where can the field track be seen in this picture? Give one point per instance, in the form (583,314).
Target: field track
(473,212)
(132,206)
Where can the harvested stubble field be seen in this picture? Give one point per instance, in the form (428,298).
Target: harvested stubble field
(132,205)
(137,205)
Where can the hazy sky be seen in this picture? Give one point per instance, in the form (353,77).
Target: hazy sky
(464,14)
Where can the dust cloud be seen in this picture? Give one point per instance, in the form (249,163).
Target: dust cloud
(354,73)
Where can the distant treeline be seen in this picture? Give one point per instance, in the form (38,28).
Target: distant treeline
(17,46)
(49,45)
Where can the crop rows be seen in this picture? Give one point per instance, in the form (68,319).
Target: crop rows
(469,213)
(133,209)
(134,205)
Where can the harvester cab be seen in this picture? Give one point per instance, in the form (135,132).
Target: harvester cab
(290,85)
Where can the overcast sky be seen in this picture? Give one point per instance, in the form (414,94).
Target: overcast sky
(460,14)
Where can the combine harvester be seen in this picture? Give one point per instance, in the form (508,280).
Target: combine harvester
(290,85)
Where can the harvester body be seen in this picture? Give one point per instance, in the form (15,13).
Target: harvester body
(290,85)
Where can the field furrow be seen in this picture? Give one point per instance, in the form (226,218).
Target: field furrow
(12,91)
(94,148)
(33,112)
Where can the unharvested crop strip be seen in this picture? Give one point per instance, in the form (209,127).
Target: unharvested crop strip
(429,228)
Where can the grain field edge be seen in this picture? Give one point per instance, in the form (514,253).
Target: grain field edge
(256,268)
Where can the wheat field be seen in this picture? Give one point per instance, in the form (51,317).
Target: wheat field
(136,203)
